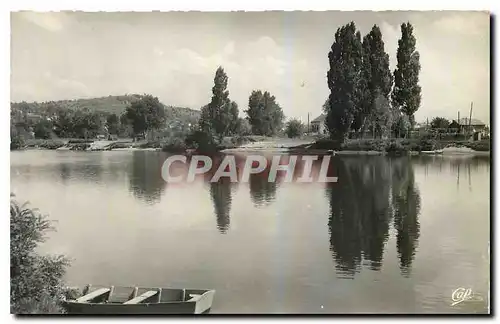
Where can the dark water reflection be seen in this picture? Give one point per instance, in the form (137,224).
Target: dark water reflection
(360,213)
(399,228)
(220,192)
(145,182)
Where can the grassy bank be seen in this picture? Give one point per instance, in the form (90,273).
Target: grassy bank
(395,146)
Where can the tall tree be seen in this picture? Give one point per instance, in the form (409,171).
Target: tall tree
(145,114)
(376,82)
(220,115)
(43,129)
(234,119)
(344,81)
(440,122)
(407,93)
(264,113)
(113,124)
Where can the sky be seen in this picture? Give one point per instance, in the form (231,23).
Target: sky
(174,56)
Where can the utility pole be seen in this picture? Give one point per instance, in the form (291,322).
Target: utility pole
(307,123)
(470,117)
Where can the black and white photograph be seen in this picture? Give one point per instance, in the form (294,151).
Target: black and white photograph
(250,162)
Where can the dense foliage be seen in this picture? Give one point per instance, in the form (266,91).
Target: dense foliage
(145,114)
(440,122)
(294,128)
(406,95)
(344,81)
(87,118)
(264,114)
(361,84)
(220,117)
(36,280)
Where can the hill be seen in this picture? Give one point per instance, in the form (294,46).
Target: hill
(106,105)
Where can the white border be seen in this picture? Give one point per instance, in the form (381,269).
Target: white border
(199,5)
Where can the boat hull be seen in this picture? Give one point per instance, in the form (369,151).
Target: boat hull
(139,309)
(165,301)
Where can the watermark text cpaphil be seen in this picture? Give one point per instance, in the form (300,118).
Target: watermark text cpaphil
(252,165)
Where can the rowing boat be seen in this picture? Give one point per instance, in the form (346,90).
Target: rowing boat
(135,300)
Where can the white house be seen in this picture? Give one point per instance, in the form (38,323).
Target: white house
(318,125)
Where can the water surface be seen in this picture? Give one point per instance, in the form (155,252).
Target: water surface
(392,235)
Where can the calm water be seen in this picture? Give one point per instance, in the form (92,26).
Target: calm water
(392,235)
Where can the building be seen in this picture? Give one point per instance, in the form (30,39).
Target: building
(472,125)
(318,125)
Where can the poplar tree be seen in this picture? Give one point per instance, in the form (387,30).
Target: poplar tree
(407,93)
(344,82)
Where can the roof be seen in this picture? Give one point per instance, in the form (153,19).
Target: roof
(473,122)
(319,119)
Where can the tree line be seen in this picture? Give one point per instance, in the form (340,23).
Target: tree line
(146,115)
(365,96)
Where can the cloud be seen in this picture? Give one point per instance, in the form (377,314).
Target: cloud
(98,55)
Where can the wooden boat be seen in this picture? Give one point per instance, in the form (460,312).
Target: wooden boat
(135,300)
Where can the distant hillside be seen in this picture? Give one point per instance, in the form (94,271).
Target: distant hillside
(106,105)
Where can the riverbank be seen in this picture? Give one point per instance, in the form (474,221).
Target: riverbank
(173,145)
(396,147)
(259,144)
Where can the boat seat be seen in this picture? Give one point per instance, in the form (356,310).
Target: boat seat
(194,297)
(93,295)
(141,298)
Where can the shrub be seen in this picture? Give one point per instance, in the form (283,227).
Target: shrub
(428,145)
(482,146)
(175,145)
(396,148)
(52,144)
(365,145)
(36,280)
(294,128)
(16,142)
(201,141)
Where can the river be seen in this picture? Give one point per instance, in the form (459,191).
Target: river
(393,235)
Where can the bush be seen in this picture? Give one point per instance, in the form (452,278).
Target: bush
(428,145)
(396,148)
(294,128)
(481,146)
(16,142)
(201,141)
(36,280)
(175,145)
(365,145)
(51,144)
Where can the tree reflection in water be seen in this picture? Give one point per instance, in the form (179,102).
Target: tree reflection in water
(145,180)
(369,192)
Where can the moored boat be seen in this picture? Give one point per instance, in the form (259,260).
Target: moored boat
(135,300)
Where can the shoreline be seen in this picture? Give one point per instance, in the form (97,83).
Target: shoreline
(278,146)
(279,150)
